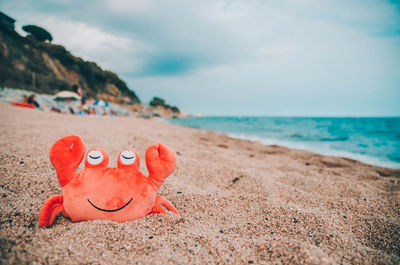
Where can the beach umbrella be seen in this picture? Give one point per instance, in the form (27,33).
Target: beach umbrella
(66,95)
(101,103)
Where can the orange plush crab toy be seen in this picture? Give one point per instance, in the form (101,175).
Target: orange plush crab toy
(99,192)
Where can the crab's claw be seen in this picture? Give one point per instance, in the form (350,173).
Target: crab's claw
(52,207)
(161,162)
(66,154)
(158,206)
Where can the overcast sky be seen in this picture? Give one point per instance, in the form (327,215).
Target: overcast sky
(276,57)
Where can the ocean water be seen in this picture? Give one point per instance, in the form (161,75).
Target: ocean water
(371,140)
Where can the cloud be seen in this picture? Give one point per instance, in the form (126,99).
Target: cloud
(111,51)
(128,6)
(166,64)
(92,43)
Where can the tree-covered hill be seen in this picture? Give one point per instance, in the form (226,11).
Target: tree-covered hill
(31,64)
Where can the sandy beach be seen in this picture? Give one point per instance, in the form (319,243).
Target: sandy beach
(240,202)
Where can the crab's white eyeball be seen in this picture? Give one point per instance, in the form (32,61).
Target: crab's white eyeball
(127,157)
(95,157)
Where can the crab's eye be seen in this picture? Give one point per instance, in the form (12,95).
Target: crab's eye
(95,157)
(127,157)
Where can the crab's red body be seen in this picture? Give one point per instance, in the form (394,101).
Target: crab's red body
(99,192)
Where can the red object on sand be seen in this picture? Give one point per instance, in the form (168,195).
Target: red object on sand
(119,193)
(23,105)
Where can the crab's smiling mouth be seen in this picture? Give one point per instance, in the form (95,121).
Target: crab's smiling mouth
(110,211)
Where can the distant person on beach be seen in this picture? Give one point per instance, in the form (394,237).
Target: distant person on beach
(32,101)
(81,92)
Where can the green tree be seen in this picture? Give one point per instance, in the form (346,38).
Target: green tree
(160,102)
(175,109)
(40,34)
(157,102)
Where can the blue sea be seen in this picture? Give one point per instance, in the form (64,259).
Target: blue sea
(371,140)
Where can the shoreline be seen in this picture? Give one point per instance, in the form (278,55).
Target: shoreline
(375,161)
(319,147)
(10,95)
(240,201)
